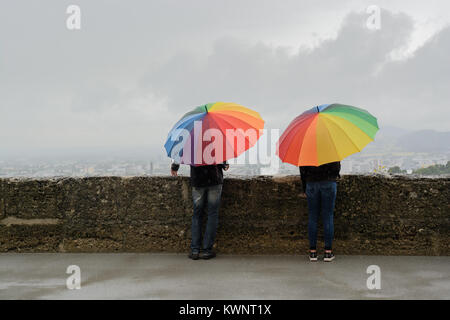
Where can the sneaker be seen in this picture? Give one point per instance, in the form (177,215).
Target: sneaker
(194,255)
(208,255)
(313,256)
(328,256)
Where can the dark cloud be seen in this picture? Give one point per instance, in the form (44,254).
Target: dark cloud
(353,68)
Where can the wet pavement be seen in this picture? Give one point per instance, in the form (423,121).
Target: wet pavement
(174,276)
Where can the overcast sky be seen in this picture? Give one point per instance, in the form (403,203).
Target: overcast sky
(136,67)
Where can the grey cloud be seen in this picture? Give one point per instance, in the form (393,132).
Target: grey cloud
(136,66)
(281,85)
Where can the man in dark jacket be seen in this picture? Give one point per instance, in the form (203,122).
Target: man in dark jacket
(206,182)
(319,184)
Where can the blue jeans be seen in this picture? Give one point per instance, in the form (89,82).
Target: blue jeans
(321,198)
(211,197)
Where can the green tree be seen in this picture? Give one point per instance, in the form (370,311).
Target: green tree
(436,169)
(396,170)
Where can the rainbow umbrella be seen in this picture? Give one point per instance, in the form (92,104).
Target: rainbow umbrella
(213,133)
(326,133)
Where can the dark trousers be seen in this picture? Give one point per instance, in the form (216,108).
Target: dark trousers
(321,199)
(209,196)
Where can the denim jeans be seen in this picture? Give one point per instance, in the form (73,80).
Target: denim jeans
(211,197)
(321,198)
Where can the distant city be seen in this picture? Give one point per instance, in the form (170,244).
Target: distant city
(355,164)
(120,167)
(393,147)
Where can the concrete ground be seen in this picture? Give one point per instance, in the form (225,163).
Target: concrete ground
(174,276)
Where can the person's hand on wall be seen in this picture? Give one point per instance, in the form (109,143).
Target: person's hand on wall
(174,168)
(302,195)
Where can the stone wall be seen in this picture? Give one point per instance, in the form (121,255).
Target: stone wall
(259,215)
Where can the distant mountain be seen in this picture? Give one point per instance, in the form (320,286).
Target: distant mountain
(389,132)
(425,141)
(393,139)
(386,140)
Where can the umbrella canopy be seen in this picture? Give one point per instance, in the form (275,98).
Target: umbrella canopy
(326,133)
(213,133)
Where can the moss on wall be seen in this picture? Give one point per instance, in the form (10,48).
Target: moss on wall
(374,215)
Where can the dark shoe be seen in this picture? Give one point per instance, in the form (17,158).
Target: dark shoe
(208,255)
(194,255)
(328,256)
(313,256)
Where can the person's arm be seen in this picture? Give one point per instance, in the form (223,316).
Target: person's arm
(225,166)
(303,178)
(339,169)
(336,168)
(174,168)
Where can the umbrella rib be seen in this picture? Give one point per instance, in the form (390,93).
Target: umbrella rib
(349,138)
(291,144)
(234,107)
(252,122)
(183,120)
(211,119)
(174,138)
(246,139)
(303,141)
(223,111)
(291,127)
(334,142)
(226,140)
(365,121)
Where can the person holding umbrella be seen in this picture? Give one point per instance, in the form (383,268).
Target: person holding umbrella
(206,182)
(205,138)
(316,142)
(319,185)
